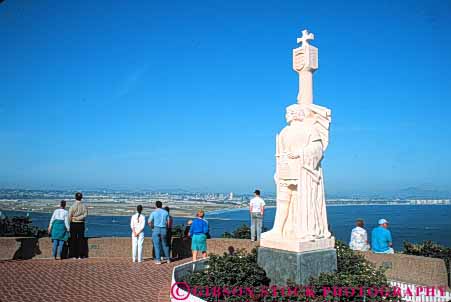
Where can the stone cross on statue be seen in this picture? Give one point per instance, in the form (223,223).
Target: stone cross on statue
(306,36)
(305,62)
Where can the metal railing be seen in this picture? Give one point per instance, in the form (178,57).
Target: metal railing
(179,291)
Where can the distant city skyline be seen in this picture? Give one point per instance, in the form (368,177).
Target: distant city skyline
(403,193)
(191,94)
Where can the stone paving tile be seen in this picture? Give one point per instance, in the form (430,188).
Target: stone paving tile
(94,279)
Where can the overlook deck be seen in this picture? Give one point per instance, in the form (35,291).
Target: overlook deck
(109,274)
(94,279)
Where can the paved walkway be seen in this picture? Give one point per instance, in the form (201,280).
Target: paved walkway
(94,279)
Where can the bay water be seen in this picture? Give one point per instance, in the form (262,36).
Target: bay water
(407,222)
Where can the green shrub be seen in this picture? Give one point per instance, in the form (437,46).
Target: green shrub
(20,226)
(242,232)
(177,230)
(353,271)
(241,270)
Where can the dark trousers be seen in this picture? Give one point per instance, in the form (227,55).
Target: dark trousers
(170,240)
(77,237)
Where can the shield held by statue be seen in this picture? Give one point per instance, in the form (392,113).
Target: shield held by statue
(287,168)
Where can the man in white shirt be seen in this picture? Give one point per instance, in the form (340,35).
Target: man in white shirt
(256,209)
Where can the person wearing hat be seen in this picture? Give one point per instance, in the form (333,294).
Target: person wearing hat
(256,209)
(359,237)
(381,241)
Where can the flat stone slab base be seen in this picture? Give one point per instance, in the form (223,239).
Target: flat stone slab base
(283,266)
(297,246)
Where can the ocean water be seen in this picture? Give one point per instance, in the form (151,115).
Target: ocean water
(407,223)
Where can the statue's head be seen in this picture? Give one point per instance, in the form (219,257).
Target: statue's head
(295,112)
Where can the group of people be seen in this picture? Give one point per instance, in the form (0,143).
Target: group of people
(160,223)
(381,239)
(68,226)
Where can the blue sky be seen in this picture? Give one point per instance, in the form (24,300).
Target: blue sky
(190,94)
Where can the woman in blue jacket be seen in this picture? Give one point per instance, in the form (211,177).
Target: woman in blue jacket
(198,233)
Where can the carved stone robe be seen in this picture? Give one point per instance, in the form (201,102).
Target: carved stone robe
(300,181)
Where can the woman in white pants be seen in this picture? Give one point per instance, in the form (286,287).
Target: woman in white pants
(137,224)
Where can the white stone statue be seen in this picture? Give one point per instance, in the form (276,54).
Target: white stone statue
(301,221)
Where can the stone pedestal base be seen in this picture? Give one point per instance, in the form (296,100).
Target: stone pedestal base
(296,267)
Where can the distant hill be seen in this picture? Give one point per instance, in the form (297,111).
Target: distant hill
(413,192)
(422,193)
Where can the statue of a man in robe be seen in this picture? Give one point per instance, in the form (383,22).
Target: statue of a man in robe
(301,208)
